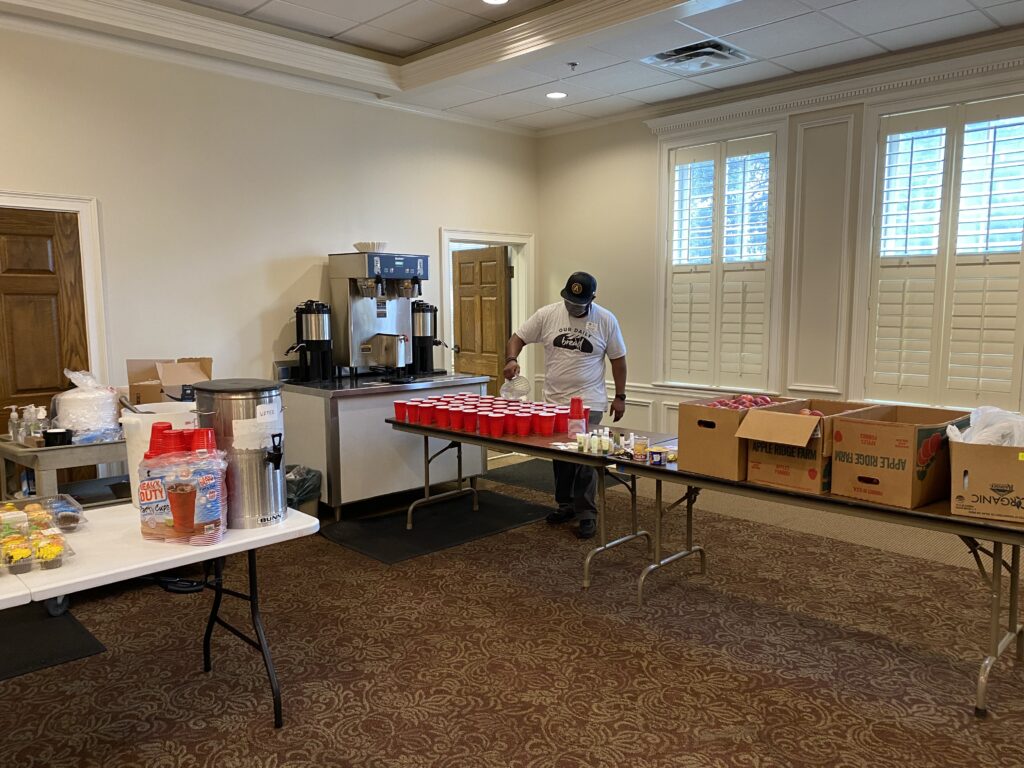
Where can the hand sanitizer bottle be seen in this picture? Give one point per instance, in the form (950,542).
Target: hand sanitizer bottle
(12,423)
(41,423)
(606,442)
(595,442)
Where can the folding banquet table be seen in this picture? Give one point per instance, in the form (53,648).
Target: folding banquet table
(936,517)
(109,548)
(537,446)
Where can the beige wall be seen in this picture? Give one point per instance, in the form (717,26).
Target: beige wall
(219,197)
(599,203)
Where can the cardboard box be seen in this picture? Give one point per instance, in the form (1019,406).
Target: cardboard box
(707,439)
(988,481)
(893,454)
(790,451)
(155,381)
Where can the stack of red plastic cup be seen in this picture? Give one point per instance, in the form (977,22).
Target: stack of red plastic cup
(175,441)
(204,439)
(157,441)
(576,408)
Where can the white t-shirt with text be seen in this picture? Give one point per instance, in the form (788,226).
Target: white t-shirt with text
(574,351)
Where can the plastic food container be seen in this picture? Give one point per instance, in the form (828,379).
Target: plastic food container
(26,515)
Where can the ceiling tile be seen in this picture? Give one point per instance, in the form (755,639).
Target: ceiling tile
(819,4)
(745,73)
(667,91)
(443,98)
(849,50)
(553,118)
(574,94)
(1008,13)
(429,21)
(382,40)
(231,6)
(627,76)
(745,15)
(556,66)
(933,31)
(811,30)
(493,12)
(645,37)
(360,10)
(301,18)
(609,105)
(871,16)
(987,3)
(499,108)
(505,79)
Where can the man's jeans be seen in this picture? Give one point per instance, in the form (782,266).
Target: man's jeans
(576,485)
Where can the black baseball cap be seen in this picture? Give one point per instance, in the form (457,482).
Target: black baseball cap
(580,288)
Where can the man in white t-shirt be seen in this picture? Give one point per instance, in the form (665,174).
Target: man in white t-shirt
(577,335)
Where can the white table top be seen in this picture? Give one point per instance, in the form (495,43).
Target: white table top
(12,591)
(110,548)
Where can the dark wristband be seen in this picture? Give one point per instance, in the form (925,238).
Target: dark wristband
(511,359)
(620,397)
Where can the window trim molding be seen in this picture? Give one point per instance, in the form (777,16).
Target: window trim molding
(738,129)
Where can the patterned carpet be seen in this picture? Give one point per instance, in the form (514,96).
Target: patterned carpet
(793,650)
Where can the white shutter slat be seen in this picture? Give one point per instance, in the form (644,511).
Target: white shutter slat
(743,328)
(691,329)
(983,359)
(903,339)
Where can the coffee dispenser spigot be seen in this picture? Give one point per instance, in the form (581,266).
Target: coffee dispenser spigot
(418,285)
(275,454)
(380,285)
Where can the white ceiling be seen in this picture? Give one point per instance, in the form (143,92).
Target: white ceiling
(534,41)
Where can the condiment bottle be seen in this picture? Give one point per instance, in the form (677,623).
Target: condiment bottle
(595,442)
(606,442)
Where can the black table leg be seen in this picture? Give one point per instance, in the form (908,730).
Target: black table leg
(260,643)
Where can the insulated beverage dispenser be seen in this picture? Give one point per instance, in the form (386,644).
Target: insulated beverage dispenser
(313,341)
(247,418)
(424,337)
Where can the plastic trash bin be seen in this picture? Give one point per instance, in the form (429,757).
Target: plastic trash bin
(302,485)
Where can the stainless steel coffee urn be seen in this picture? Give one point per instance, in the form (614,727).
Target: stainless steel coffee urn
(247,418)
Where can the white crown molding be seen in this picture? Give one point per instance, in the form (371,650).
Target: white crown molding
(243,71)
(942,66)
(184,30)
(548,26)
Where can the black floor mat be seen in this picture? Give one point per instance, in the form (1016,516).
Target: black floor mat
(535,474)
(435,527)
(33,640)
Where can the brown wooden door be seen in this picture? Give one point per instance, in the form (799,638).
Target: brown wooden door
(42,306)
(482,312)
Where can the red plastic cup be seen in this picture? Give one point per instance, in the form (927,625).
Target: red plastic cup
(523,424)
(156,436)
(576,408)
(176,442)
(400,406)
(586,415)
(510,422)
(412,412)
(497,425)
(442,415)
(204,439)
(535,422)
(562,420)
(546,422)
(456,417)
(484,422)
(470,418)
(427,413)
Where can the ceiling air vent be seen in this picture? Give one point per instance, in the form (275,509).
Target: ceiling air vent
(696,59)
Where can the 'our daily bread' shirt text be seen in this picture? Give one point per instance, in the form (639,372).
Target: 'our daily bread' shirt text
(574,351)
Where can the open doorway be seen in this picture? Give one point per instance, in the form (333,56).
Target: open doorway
(487,284)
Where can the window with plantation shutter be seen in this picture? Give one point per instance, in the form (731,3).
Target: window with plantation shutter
(949,224)
(720,230)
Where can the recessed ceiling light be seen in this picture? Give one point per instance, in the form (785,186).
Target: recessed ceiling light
(495,2)
(557,95)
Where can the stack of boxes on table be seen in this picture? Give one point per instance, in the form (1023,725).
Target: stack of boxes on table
(892,455)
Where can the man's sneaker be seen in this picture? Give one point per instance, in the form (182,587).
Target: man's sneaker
(588,529)
(561,515)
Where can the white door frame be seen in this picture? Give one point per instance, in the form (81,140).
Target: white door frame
(93,286)
(521,258)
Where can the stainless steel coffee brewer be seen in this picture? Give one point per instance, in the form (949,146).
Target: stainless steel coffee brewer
(372,295)
(313,342)
(247,417)
(424,337)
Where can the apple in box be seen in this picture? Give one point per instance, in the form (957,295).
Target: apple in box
(742,402)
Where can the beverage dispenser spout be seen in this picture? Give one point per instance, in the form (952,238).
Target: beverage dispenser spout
(274,453)
(418,285)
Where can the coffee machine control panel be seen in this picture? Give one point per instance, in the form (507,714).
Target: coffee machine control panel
(396,266)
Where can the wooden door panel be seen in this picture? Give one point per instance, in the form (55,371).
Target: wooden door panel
(33,341)
(482,312)
(42,306)
(26,254)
